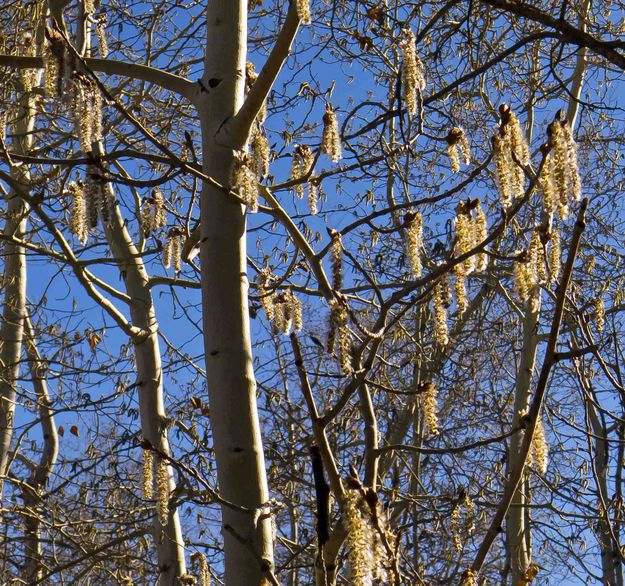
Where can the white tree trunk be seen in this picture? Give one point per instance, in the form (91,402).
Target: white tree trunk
(170,545)
(235,425)
(40,474)
(14,283)
(517,533)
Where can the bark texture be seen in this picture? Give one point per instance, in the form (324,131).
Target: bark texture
(229,370)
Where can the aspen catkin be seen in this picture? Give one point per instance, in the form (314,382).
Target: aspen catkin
(260,154)
(555,256)
(440,302)
(301,166)
(203,569)
(337,260)
(331,139)
(457,146)
(414,242)
(101,32)
(412,78)
(599,313)
(480,234)
(303,10)
(430,408)
(78,219)
(148,474)
(540,447)
(162,488)
(244,180)
(359,539)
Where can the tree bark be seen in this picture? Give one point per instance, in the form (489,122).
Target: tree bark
(33,490)
(170,545)
(516,529)
(248,548)
(14,283)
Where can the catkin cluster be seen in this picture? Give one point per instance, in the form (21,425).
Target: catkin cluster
(250,78)
(530,271)
(98,196)
(471,231)
(156,483)
(560,178)
(441,300)
(414,242)
(78,217)
(244,180)
(430,407)
(173,249)
(148,474)
(3,124)
(303,10)
(412,77)
(457,147)
(59,66)
(301,165)
(331,137)
(88,110)
(511,151)
(161,487)
(466,505)
(539,449)
(199,561)
(284,311)
(337,259)
(365,553)
(599,313)
(153,215)
(469,578)
(339,334)
(101,32)
(28,76)
(260,153)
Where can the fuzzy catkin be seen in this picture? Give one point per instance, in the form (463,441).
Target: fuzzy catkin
(430,408)
(339,334)
(539,447)
(78,218)
(303,10)
(94,194)
(599,313)
(101,32)
(286,312)
(359,539)
(244,180)
(260,154)
(199,560)
(162,491)
(83,109)
(51,73)
(511,153)
(412,77)
(555,256)
(414,243)
(148,474)
(173,249)
(440,303)
(331,138)
(457,147)
(153,215)
(560,178)
(301,166)
(480,234)
(337,260)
